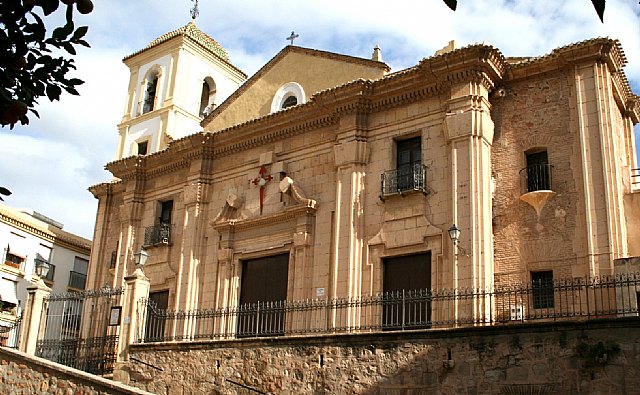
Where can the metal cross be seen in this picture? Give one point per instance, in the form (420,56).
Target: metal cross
(292,37)
(195,11)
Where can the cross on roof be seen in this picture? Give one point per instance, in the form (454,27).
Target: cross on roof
(194,11)
(292,37)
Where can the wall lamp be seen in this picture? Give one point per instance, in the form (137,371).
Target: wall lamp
(140,257)
(454,235)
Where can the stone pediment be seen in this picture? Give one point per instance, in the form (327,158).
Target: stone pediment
(288,202)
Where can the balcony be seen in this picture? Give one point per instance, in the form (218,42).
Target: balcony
(635,179)
(77,280)
(536,185)
(157,234)
(403,180)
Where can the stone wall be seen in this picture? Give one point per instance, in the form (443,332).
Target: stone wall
(596,357)
(22,374)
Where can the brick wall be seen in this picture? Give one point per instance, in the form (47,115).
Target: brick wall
(596,357)
(22,374)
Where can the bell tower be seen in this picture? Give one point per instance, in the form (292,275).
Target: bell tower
(174,82)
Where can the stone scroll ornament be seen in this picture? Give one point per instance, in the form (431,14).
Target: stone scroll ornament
(262,181)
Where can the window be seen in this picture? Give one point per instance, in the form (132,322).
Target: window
(538,171)
(289,94)
(143,147)
(150,93)
(78,277)
(264,286)
(542,289)
(207,97)
(13,260)
(290,102)
(406,288)
(160,233)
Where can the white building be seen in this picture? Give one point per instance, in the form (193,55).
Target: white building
(29,237)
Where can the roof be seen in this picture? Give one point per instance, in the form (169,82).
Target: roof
(41,229)
(291,48)
(191,31)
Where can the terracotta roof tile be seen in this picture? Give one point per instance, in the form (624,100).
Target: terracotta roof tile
(191,31)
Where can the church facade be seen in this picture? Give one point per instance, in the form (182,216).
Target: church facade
(328,176)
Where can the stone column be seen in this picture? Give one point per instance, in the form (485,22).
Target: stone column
(134,319)
(469,132)
(33,325)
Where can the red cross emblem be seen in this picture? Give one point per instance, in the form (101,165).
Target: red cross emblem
(261,181)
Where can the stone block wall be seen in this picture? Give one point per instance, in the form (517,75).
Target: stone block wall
(22,374)
(596,357)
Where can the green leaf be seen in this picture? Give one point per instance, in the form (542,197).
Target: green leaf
(49,6)
(79,33)
(59,33)
(53,92)
(451,4)
(75,81)
(71,90)
(83,43)
(599,6)
(69,48)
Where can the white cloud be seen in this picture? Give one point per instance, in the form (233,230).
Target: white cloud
(49,164)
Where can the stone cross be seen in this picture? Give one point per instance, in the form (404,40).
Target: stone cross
(292,37)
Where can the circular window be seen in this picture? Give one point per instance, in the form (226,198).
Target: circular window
(288,95)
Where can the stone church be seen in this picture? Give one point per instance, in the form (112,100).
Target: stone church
(326,175)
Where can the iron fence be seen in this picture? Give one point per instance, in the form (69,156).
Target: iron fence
(77,331)
(10,335)
(568,299)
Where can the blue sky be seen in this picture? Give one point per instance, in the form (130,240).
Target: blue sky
(50,164)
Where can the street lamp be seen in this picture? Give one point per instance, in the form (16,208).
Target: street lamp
(454,235)
(42,268)
(140,257)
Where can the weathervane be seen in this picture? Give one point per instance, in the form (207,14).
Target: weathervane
(292,37)
(195,11)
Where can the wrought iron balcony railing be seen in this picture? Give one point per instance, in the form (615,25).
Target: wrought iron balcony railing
(536,178)
(635,178)
(77,280)
(157,234)
(404,179)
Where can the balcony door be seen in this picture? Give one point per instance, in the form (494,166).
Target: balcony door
(263,291)
(408,156)
(406,287)
(538,171)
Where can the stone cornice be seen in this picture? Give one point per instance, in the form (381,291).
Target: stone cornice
(44,231)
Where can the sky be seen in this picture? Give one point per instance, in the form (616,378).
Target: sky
(49,164)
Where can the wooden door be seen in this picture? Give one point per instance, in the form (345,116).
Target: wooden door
(263,293)
(407,287)
(156,312)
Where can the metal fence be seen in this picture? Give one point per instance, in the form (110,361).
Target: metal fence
(77,331)
(10,335)
(570,299)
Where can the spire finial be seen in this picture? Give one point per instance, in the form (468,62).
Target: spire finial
(194,10)
(292,37)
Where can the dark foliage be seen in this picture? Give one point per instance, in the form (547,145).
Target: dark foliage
(33,62)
